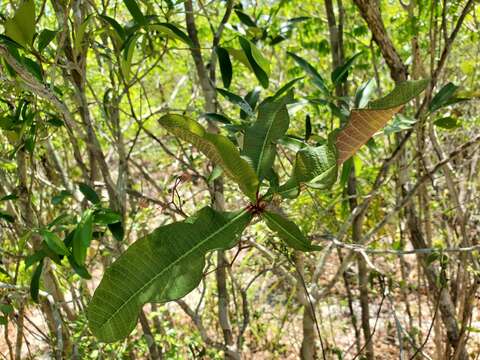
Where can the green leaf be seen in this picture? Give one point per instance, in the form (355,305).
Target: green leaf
(54,242)
(45,37)
(340,74)
(400,123)
(135,11)
(217,148)
(21,27)
(364,93)
(89,193)
(260,65)
(35,281)
(163,266)
(117,230)
(364,123)
(442,98)
(237,100)
(448,123)
(6,308)
(401,94)
(225,66)
(172,31)
(259,142)
(245,19)
(106,217)
(7,217)
(57,199)
(315,167)
(289,232)
(35,257)
(127,56)
(216,117)
(310,70)
(83,237)
(3,320)
(116,26)
(79,269)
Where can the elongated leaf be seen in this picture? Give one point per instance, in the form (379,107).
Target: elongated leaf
(116,26)
(106,216)
(340,74)
(442,97)
(245,18)
(289,232)
(7,217)
(447,122)
(237,100)
(21,27)
(310,70)
(172,31)
(82,237)
(260,65)
(217,148)
(135,11)
(225,66)
(117,230)
(163,266)
(259,142)
(35,281)
(54,242)
(363,123)
(89,193)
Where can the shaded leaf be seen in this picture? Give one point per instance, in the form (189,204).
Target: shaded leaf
(117,230)
(35,281)
(443,97)
(135,11)
(340,74)
(448,122)
(225,66)
(106,217)
(260,65)
(237,100)
(217,148)
(7,217)
(245,18)
(310,70)
(21,28)
(172,31)
(289,232)
(45,37)
(168,264)
(89,193)
(80,270)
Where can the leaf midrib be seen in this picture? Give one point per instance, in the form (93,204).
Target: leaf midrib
(272,219)
(171,265)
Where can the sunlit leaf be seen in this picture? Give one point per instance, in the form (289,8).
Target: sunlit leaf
(21,27)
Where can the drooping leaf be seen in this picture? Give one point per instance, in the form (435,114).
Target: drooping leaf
(260,65)
(119,30)
(21,27)
(35,281)
(245,18)
(216,117)
(54,242)
(45,37)
(271,124)
(217,148)
(135,11)
(82,237)
(442,97)
(127,56)
(167,265)
(363,123)
(79,269)
(172,31)
(89,193)
(308,127)
(310,70)
(288,231)
(237,100)
(252,99)
(35,257)
(225,66)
